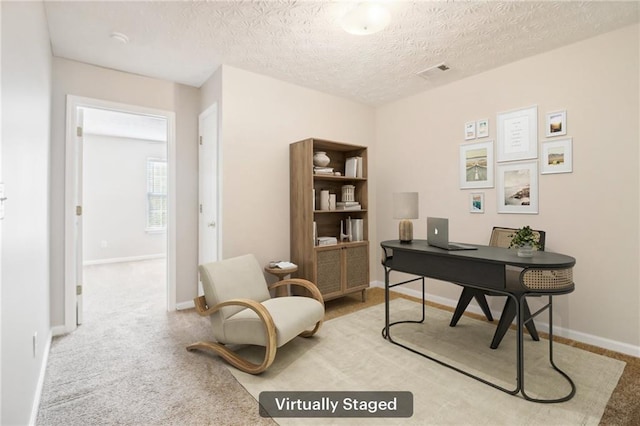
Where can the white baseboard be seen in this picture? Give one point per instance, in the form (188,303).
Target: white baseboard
(124,259)
(185,305)
(578,336)
(43,370)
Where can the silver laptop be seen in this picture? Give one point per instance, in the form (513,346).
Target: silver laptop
(438,235)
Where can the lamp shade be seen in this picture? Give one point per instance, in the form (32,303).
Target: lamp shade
(405,205)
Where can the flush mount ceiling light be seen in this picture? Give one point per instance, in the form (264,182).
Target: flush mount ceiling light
(366,18)
(119,37)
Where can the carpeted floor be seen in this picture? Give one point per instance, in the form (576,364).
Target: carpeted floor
(128,365)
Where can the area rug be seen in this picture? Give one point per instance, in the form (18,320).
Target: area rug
(349,354)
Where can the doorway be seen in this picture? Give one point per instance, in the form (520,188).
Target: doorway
(120,204)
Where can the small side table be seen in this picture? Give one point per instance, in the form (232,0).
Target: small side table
(281,274)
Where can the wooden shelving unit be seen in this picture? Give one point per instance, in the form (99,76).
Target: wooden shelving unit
(341,268)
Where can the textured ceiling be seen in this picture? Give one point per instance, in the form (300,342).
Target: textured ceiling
(302,42)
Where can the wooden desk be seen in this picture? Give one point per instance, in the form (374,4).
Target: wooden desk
(484,268)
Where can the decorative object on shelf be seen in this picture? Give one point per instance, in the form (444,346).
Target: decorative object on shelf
(348,193)
(556,123)
(476,165)
(405,208)
(526,241)
(518,134)
(557,156)
(321,159)
(324,199)
(332,201)
(357,229)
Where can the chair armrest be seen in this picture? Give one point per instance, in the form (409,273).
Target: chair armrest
(315,293)
(204,310)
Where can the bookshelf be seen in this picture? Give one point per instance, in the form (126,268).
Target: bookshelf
(342,267)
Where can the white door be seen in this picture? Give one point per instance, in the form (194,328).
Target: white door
(208,186)
(78,218)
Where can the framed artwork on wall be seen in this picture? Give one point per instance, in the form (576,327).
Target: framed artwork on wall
(517,185)
(482,128)
(476,165)
(557,157)
(518,134)
(556,123)
(476,202)
(469,130)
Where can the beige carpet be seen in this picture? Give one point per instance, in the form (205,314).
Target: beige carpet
(349,354)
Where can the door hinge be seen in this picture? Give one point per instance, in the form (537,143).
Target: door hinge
(78,210)
(79,290)
(79,131)
(200,140)
(200,208)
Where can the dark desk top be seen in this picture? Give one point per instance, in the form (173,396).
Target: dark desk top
(488,254)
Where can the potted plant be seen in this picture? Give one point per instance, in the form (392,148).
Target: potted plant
(525,240)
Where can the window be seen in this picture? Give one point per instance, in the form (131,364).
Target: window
(156,194)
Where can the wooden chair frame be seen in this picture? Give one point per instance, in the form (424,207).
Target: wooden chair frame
(270,330)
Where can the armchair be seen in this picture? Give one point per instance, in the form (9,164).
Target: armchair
(242,311)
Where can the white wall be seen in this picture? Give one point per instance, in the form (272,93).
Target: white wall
(115,199)
(75,78)
(26,101)
(260,117)
(591,214)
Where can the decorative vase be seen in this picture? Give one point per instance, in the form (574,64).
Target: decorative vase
(321,159)
(525,251)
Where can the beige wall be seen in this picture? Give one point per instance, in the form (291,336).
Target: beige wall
(26,111)
(591,214)
(74,78)
(260,117)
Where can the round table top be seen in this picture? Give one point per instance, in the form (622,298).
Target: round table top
(280,272)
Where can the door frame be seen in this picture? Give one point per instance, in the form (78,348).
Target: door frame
(71,180)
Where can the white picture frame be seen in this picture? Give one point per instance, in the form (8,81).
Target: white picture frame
(556,123)
(476,202)
(476,165)
(517,185)
(517,134)
(482,128)
(469,130)
(557,156)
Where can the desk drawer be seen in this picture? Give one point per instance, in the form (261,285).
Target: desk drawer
(462,270)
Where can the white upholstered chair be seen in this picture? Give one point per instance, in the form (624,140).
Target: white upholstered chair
(237,300)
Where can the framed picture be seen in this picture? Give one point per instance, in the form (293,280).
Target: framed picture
(476,165)
(557,157)
(518,134)
(476,202)
(556,123)
(482,128)
(470,130)
(517,185)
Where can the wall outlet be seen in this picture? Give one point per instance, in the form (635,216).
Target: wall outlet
(35,344)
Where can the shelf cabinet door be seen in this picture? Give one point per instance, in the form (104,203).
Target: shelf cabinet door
(342,269)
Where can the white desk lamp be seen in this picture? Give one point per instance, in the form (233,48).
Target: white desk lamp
(405,208)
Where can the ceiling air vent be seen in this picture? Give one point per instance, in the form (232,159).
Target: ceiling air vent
(433,71)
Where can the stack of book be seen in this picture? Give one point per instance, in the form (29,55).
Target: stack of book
(327,241)
(348,205)
(323,170)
